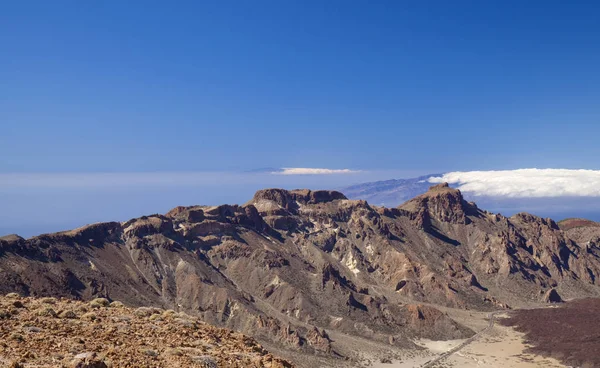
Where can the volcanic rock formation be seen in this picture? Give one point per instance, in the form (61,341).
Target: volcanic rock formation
(290,267)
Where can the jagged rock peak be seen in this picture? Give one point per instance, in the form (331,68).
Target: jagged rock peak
(304,196)
(88,233)
(440,202)
(442,189)
(438,187)
(11,238)
(528,218)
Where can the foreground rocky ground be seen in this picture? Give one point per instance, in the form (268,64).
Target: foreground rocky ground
(50,332)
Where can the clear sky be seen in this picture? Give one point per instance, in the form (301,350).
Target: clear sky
(231,86)
(239,85)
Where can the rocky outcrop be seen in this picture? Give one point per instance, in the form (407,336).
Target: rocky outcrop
(432,323)
(551,296)
(290,200)
(441,203)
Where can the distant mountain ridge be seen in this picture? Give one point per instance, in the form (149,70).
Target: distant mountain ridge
(394,192)
(389,193)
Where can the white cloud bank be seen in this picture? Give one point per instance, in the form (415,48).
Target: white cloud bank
(525,183)
(312,171)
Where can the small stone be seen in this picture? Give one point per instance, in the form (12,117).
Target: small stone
(99,303)
(155,317)
(185,322)
(122,319)
(174,352)
(206,361)
(90,316)
(28,355)
(32,329)
(46,312)
(150,352)
(67,314)
(17,337)
(169,313)
(18,304)
(85,355)
(143,312)
(87,360)
(48,300)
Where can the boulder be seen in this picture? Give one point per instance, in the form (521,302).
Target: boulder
(88,360)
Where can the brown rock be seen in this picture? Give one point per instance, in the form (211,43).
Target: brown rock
(87,360)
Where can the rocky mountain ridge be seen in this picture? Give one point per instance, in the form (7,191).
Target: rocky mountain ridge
(292,267)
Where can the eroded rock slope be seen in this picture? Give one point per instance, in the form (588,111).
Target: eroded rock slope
(289,266)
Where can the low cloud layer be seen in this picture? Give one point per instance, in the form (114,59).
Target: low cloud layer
(117,179)
(309,177)
(312,171)
(525,183)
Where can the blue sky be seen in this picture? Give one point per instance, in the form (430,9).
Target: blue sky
(145,86)
(227,86)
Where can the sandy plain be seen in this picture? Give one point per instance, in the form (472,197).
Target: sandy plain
(501,347)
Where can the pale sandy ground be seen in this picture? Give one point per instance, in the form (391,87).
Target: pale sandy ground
(417,358)
(501,347)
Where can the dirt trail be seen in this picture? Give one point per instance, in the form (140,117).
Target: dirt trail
(445,355)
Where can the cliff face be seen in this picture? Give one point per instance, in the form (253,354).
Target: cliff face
(289,266)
